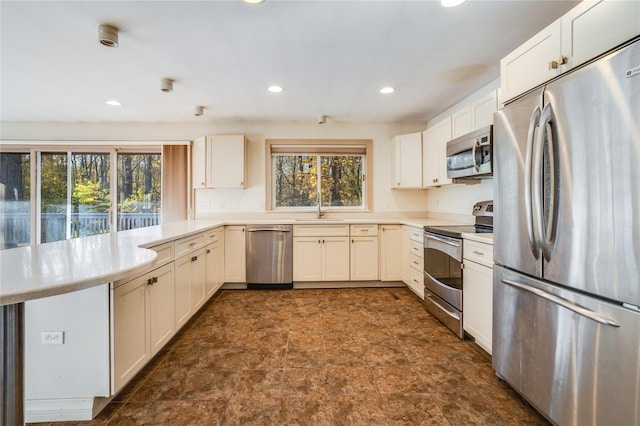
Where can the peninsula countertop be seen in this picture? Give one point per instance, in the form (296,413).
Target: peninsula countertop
(49,269)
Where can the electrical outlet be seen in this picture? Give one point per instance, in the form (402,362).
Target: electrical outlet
(52,337)
(436,203)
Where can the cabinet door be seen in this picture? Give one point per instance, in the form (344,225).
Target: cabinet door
(364,258)
(198,276)
(391,252)
(307,254)
(162,320)
(435,154)
(409,160)
(226,154)
(529,65)
(477,299)
(198,163)
(182,290)
(593,27)
(130,330)
(461,122)
(235,254)
(335,258)
(214,260)
(406,254)
(482,110)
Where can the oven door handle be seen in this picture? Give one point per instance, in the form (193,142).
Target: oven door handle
(442,308)
(442,240)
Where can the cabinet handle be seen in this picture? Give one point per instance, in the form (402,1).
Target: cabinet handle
(208,251)
(192,244)
(553,65)
(150,281)
(352,241)
(479,253)
(415,263)
(322,241)
(155,280)
(194,258)
(563,60)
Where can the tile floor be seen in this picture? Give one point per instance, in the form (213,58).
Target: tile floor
(317,357)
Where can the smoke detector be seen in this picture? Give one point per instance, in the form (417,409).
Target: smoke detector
(108,35)
(166,85)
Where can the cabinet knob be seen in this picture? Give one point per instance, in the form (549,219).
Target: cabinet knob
(553,65)
(208,251)
(202,183)
(563,60)
(194,258)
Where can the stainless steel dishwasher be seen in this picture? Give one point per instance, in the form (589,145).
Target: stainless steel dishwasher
(269,256)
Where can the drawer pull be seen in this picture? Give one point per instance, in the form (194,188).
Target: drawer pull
(479,253)
(415,263)
(192,244)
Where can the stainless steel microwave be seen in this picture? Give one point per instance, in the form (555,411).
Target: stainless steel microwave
(470,156)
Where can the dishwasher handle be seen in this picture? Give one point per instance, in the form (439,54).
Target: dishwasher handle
(269,228)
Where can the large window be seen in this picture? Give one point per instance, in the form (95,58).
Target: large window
(15,204)
(73,194)
(301,172)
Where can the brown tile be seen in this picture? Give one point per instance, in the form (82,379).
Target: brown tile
(358,411)
(209,384)
(351,381)
(171,412)
(346,356)
(308,411)
(258,384)
(264,358)
(166,385)
(375,336)
(305,339)
(223,359)
(397,379)
(304,382)
(344,337)
(466,409)
(305,358)
(270,339)
(385,355)
(442,377)
(253,411)
(413,409)
(513,409)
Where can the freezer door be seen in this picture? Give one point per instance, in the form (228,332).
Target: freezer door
(590,178)
(515,128)
(572,357)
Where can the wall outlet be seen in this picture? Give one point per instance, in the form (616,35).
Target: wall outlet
(436,203)
(52,337)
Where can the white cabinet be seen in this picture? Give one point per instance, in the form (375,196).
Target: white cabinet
(477,294)
(589,29)
(413,259)
(219,161)
(482,110)
(235,254)
(390,252)
(461,122)
(321,252)
(189,285)
(143,321)
(227,161)
(408,161)
(434,160)
(364,252)
(214,259)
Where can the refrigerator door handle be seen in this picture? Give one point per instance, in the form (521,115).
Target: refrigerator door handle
(528,170)
(578,309)
(537,176)
(546,231)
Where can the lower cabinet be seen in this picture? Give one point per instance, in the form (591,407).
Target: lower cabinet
(477,294)
(214,259)
(364,252)
(413,259)
(235,254)
(189,285)
(143,321)
(390,261)
(321,258)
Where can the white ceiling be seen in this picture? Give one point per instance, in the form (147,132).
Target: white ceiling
(331,57)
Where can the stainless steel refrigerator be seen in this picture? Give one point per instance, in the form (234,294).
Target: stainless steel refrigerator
(566,324)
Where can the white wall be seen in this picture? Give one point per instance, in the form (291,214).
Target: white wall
(460,198)
(251,199)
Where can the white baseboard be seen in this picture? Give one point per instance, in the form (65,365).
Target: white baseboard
(58,410)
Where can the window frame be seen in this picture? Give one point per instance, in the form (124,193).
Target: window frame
(323,145)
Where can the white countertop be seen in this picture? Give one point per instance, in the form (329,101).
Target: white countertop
(481,238)
(44,270)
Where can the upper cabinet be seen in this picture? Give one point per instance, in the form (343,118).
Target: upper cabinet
(434,154)
(219,161)
(589,29)
(408,161)
(482,110)
(461,122)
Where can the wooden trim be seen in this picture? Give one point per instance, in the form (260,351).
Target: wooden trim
(368,177)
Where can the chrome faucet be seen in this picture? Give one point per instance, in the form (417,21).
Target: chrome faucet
(320,212)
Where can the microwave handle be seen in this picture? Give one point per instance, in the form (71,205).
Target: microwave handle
(476,166)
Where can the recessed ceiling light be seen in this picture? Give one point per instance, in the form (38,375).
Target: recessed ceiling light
(253,1)
(387,90)
(451,3)
(275,89)
(112,102)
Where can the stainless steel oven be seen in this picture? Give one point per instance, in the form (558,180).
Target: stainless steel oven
(443,266)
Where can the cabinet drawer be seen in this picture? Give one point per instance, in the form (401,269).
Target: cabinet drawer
(416,249)
(165,253)
(416,262)
(185,245)
(478,252)
(321,230)
(213,235)
(416,234)
(416,283)
(364,230)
